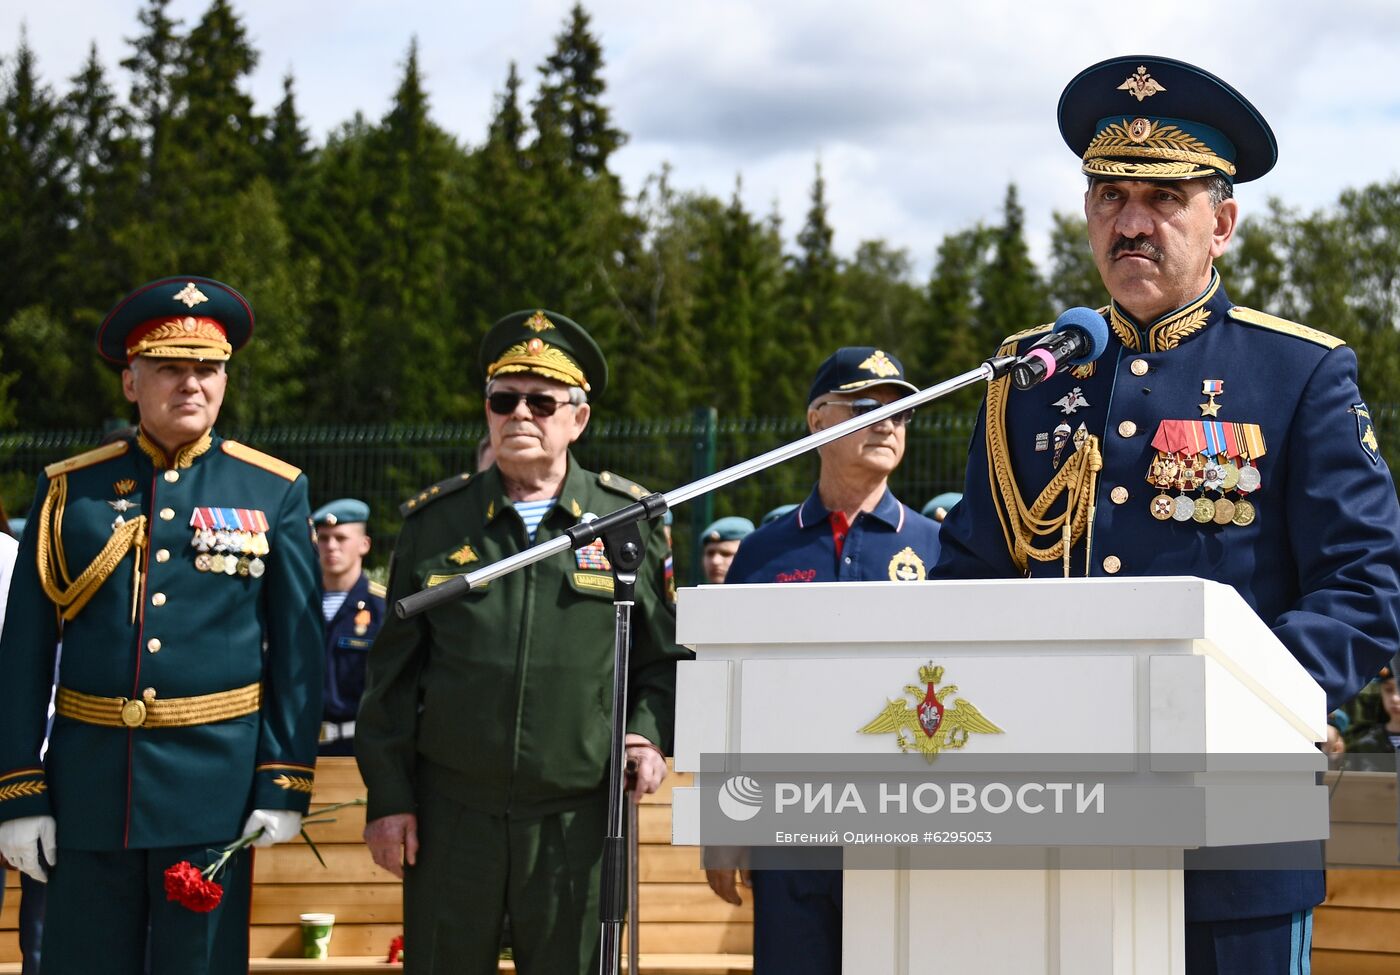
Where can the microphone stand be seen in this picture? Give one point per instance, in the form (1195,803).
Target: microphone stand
(622,541)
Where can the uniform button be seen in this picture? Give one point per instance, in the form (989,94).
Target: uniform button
(158,599)
(153,645)
(167,513)
(172,476)
(1125,429)
(1139,367)
(163,555)
(1112,564)
(1119,494)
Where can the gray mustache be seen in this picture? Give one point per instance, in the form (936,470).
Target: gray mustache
(1135,245)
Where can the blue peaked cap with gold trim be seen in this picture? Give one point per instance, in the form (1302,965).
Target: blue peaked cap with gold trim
(1152,118)
(858,367)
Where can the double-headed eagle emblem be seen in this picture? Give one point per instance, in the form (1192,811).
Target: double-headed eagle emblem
(931,725)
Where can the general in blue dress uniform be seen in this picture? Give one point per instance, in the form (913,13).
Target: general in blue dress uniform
(352,605)
(851,528)
(1208,440)
(177,569)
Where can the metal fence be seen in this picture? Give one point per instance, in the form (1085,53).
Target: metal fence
(384,465)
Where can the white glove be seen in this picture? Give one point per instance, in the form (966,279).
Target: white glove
(277,825)
(20,840)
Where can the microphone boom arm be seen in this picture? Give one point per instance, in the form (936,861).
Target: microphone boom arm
(656,504)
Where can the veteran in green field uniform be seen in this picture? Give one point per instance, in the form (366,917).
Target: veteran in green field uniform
(483,735)
(177,572)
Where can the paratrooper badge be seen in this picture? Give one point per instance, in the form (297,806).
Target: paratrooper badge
(362,620)
(1071,401)
(906,566)
(931,725)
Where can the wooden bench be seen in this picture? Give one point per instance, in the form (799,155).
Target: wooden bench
(684,928)
(1356,931)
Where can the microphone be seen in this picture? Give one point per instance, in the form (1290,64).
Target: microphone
(1079,337)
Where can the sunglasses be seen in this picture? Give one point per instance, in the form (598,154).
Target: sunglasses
(859,407)
(540,404)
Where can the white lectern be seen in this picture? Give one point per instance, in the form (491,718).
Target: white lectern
(1166,667)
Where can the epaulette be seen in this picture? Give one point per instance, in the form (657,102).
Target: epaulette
(1274,324)
(241,451)
(1026,333)
(86,459)
(621,485)
(439,490)
(378,589)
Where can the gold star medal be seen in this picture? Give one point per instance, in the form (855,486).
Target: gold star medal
(1211,388)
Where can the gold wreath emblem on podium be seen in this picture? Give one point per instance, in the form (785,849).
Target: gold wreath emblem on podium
(930,725)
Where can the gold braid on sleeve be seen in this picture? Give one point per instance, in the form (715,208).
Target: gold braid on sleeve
(1022,525)
(68,594)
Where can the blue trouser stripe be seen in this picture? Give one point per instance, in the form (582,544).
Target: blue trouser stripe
(1300,947)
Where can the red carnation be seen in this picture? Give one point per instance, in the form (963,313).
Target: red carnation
(186,885)
(396,949)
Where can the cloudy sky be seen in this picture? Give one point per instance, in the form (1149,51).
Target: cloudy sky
(920,111)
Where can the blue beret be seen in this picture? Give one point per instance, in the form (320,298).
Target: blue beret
(858,367)
(729,529)
(1145,117)
(342,511)
(946,501)
(778,512)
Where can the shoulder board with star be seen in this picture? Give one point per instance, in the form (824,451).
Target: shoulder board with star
(1274,324)
(257,458)
(620,485)
(439,490)
(378,589)
(87,458)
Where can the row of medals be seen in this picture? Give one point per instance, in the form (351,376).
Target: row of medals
(234,552)
(1190,474)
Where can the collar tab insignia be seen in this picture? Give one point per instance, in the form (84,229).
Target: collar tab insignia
(1141,85)
(932,724)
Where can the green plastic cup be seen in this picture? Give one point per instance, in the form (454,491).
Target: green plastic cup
(316,935)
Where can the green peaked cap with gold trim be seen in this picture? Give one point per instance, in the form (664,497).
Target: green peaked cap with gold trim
(185,317)
(544,343)
(1153,118)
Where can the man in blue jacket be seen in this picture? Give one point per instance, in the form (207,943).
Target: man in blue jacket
(851,528)
(1208,440)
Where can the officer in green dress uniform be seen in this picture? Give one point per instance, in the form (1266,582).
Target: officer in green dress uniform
(176,568)
(484,732)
